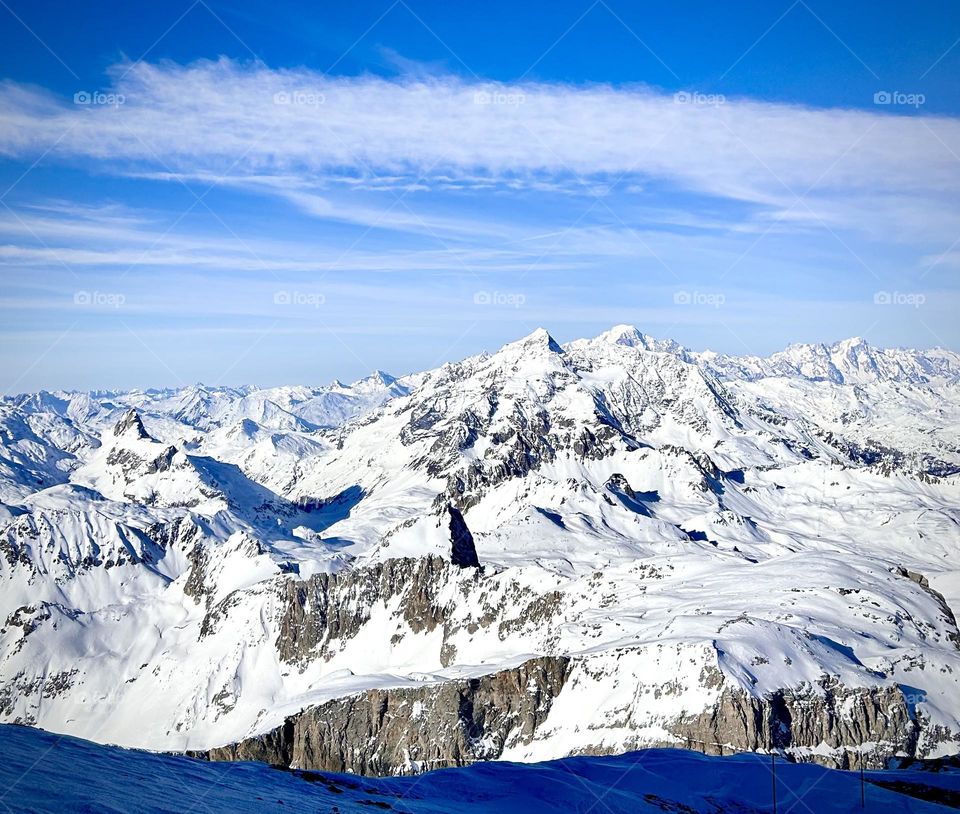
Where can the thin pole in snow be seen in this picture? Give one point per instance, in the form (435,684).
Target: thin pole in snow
(773,770)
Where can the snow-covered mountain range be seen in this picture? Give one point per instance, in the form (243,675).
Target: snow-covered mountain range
(543,551)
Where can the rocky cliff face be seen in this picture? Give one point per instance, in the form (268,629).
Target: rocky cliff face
(414,729)
(849,726)
(328,609)
(383,732)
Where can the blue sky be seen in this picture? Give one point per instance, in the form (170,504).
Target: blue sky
(275,193)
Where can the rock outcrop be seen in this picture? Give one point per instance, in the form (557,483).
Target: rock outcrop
(845,725)
(411,729)
(131,426)
(463,552)
(331,608)
(454,723)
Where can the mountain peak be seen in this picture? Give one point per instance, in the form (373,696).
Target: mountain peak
(623,335)
(381,377)
(540,338)
(851,343)
(631,337)
(131,426)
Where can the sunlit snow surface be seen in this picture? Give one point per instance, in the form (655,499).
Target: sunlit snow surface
(42,773)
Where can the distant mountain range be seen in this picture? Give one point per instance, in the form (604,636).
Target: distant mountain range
(548,550)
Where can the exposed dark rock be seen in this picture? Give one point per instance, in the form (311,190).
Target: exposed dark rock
(29,618)
(414,729)
(181,533)
(128,461)
(945,609)
(162,462)
(463,552)
(195,585)
(331,608)
(275,748)
(828,715)
(131,425)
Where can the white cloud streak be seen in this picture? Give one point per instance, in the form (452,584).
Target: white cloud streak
(210,118)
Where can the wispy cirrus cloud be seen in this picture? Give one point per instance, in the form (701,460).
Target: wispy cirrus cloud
(293,131)
(56,234)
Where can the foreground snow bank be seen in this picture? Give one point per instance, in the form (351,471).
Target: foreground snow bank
(42,772)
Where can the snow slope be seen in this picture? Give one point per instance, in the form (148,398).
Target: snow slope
(40,775)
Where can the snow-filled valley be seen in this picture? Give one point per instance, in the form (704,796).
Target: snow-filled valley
(675,549)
